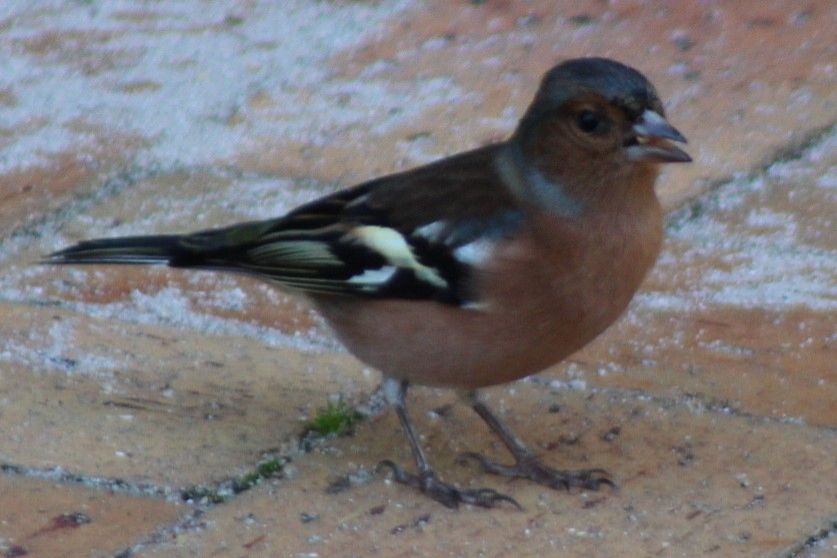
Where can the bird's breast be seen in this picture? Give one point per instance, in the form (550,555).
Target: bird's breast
(539,301)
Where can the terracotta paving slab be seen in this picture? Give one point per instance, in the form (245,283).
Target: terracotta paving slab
(119,118)
(152,405)
(42,519)
(690,484)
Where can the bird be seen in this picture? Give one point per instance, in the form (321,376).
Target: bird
(474,270)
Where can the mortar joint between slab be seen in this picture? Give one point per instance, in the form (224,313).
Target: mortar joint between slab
(827,531)
(111,186)
(709,198)
(117,485)
(166,533)
(693,403)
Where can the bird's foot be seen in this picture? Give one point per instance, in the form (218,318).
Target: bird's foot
(447,494)
(532,469)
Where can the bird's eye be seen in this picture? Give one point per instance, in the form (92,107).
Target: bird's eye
(589,122)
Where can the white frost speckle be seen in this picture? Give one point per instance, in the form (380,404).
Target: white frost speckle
(171,307)
(55,350)
(753,246)
(181,90)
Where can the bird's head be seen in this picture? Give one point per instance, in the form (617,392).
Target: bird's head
(599,108)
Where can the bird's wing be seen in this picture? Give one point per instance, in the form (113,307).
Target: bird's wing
(413,235)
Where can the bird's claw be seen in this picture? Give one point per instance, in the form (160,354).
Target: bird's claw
(447,494)
(534,470)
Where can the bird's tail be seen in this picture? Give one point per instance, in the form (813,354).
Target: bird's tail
(223,248)
(163,249)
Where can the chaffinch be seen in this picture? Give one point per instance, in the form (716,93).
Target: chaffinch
(474,270)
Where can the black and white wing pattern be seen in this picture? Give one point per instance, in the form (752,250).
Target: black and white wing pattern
(400,236)
(413,235)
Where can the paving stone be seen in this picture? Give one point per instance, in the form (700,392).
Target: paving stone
(39,518)
(689,484)
(122,119)
(153,405)
(766,363)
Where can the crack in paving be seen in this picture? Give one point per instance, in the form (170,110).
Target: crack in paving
(273,464)
(190,522)
(695,403)
(110,187)
(810,543)
(202,496)
(710,199)
(116,485)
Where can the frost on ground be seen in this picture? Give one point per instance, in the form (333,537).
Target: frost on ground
(53,348)
(183,76)
(763,242)
(171,307)
(186,305)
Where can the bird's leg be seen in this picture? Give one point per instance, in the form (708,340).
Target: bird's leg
(426,480)
(526,464)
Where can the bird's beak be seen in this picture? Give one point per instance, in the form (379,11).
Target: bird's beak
(652,141)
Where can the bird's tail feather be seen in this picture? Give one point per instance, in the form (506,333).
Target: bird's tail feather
(162,249)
